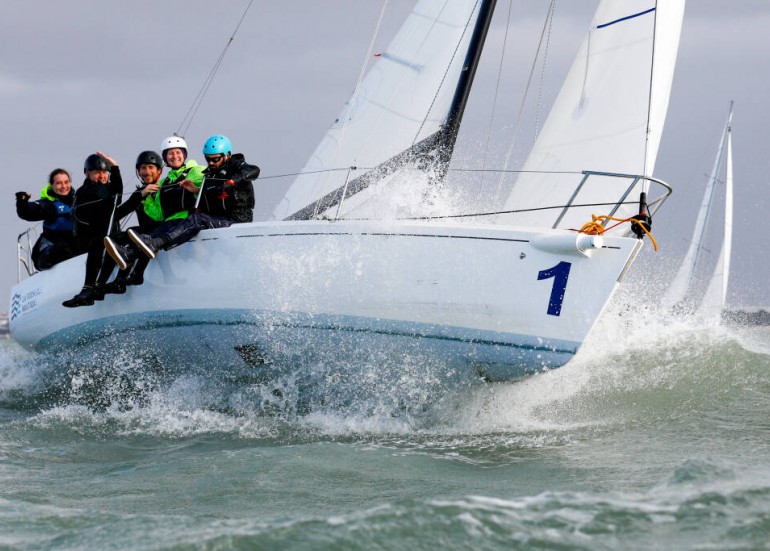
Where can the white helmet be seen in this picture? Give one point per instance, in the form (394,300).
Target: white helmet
(173,142)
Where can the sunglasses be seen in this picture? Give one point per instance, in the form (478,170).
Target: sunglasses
(214,158)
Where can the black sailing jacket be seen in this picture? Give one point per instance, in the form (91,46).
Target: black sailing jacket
(229,191)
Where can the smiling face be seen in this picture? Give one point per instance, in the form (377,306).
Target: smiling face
(99,176)
(149,173)
(174,157)
(61,184)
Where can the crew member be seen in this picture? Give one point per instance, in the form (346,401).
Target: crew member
(93,212)
(54,208)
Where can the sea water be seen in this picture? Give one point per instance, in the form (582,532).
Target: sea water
(656,436)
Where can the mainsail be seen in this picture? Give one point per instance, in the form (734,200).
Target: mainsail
(404,106)
(607,117)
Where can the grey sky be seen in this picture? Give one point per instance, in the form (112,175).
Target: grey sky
(84,75)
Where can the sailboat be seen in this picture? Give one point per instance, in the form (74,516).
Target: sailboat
(360,259)
(679,295)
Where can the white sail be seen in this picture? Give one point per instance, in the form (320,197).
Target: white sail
(716,293)
(608,116)
(404,99)
(677,291)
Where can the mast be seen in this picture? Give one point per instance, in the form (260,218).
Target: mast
(728,237)
(701,230)
(449,133)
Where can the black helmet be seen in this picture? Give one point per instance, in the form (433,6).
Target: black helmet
(149,158)
(95,162)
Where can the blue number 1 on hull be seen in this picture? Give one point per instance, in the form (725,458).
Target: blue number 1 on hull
(560,274)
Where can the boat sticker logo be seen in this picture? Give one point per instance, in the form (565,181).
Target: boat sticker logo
(24,303)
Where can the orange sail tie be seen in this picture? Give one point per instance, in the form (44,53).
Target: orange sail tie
(595,226)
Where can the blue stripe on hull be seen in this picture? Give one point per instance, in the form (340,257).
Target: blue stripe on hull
(284,337)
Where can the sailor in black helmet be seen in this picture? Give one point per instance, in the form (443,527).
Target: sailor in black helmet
(149,166)
(93,214)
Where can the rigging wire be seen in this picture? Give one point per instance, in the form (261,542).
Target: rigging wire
(361,75)
(446,73)
(193,110)
(511,211)
(542,71)
(497,88)
(517,122)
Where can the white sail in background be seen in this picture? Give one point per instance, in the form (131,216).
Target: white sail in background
(608,116)
(716,294)
(404,99)
(677,291)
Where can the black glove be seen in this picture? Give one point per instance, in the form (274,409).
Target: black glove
(248,172)
(22,196)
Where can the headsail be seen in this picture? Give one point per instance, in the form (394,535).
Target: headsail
(608,116)
(677,291)
(400,107)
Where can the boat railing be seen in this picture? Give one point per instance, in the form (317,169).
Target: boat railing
(24,244)
(663,191)
(580,202)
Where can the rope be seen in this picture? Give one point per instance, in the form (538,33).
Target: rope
(552,10)
(193,110)
(596,227)
(497,88)
(444,76)
(527,88)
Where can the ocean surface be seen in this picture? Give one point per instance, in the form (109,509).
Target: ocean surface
(656,436)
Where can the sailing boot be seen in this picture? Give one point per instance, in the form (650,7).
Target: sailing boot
(148,245)
(136,277)
(121,254)
(116,287)
(86,296)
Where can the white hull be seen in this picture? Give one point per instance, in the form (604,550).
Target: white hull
(265,292)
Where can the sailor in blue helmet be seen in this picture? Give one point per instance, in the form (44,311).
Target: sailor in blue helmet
(226,197)
(229,191)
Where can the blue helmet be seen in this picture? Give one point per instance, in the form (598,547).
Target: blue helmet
(217,145)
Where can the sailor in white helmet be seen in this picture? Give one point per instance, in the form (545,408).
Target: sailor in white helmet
(173,201)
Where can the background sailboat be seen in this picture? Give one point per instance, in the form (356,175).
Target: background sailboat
(679,294)
(715,299)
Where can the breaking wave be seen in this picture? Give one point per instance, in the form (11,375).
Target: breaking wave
(633,370)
